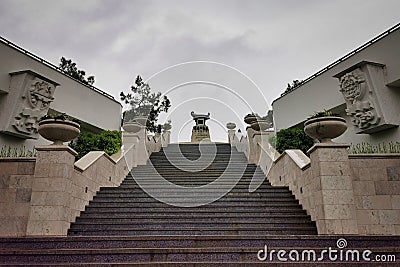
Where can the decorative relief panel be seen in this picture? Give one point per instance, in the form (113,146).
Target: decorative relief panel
(39,95)
(356,92)
(366,95)
(29,99)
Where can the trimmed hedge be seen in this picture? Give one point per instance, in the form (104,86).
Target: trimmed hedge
(107,141)
(293,139)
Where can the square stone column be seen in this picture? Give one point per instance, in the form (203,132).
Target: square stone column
(51,191)
(231,136)
(252,158)
(139,139)
(166,138)
(333,189)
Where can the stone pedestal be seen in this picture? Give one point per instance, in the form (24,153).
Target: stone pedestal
(333,189)
(166,138)
(139,140)
(231,135)
(252,146)
(51,191)
(200,134)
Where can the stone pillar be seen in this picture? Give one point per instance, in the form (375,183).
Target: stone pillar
(252,145)
(231,135)
(131,139)
(50,212)
(166,138)
(139,139)
(333,189)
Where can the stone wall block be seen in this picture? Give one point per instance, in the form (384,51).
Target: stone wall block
(23,195)
(389,217)
(349,226)
(336,182)
(367,217)
(338,168)
(341,212)
(363,188)
(387,187)
(333,227)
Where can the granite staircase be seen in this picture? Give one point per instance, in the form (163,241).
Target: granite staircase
(124,226)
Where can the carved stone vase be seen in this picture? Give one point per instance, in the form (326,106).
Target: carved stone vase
(142,120)
(260,125)
(59,131)
(325,128)
(132,127)
(250,118)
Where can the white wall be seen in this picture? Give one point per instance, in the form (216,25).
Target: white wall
(71,97)
(323,92)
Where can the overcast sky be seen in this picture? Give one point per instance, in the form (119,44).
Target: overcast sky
(245,52)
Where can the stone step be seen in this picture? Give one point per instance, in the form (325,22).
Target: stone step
(126,212)
(199,216)
(222,187)
(141,194)
(195,198)
(201,241)
(180,210)
(135,189)
(187,224)
(295,230)
(214,205)
(97,223)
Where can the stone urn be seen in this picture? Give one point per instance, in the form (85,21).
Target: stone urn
(250,118)
(260,125)
(142,120)
(132,127)
(167,127)
(231,126)
(325,128)
(59,131)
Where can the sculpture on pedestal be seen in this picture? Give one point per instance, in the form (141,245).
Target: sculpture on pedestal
(200,132)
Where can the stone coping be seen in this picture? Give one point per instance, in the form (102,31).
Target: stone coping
(375,156)
(91,157)
(56,148)
(18,159)
(297,156)
(327,145)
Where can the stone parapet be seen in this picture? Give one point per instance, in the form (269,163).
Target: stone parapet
(344,194)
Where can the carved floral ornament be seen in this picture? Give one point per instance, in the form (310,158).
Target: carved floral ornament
(39,95)
(359,107)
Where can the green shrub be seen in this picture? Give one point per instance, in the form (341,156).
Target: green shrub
(108,141)
(381,148)
(293,139)
(16,152)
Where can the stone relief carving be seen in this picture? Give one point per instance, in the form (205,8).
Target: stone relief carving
(355,91)
(39,96)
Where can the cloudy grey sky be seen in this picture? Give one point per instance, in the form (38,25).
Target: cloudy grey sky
(257,46)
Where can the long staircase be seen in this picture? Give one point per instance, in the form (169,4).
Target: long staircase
(126,226)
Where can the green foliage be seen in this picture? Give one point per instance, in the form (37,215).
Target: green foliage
(108,141)
(381,148)
(291,87)
(272,141)
(324,113)
(72,70)
(16,152)
(293,139)
(59,117)
(144,103)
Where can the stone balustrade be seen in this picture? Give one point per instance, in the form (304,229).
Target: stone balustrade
(42,196)
(343,194)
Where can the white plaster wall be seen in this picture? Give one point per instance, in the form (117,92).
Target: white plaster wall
(71,97)
(323,92)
